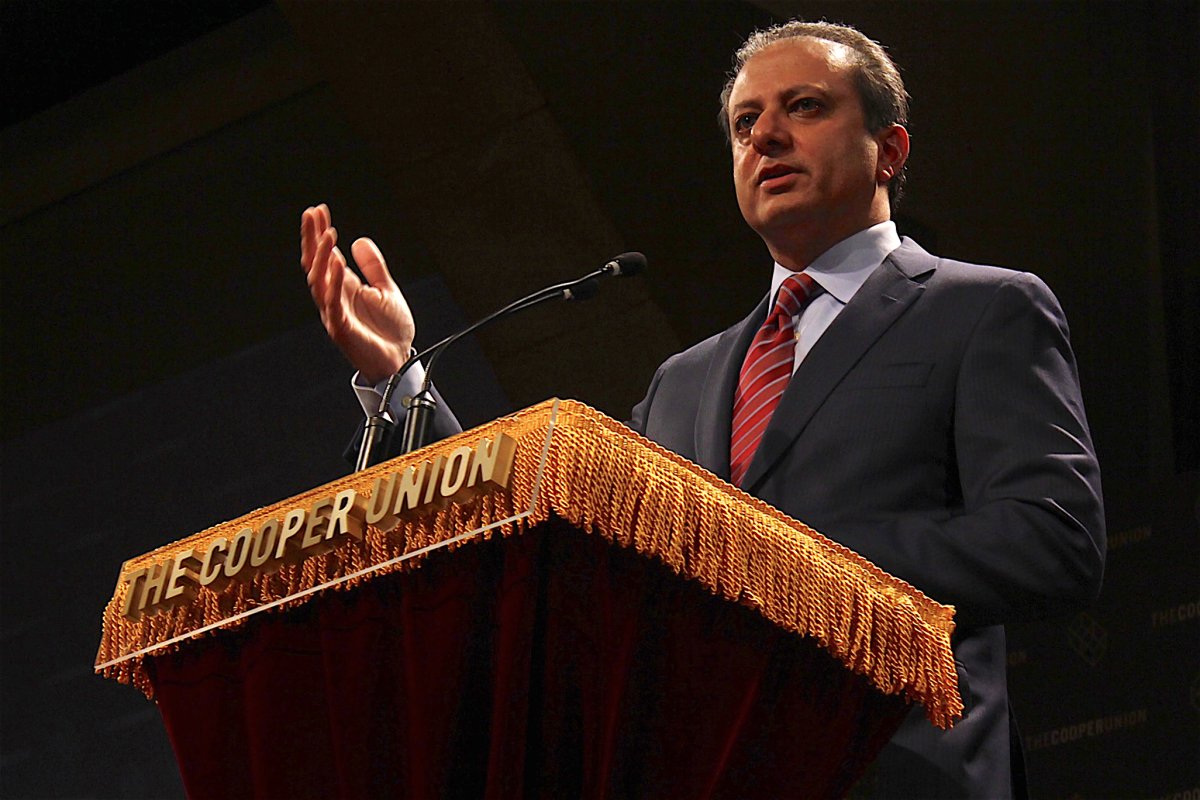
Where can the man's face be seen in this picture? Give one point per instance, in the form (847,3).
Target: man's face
(803,161)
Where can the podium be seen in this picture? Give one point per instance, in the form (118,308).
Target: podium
(546,606)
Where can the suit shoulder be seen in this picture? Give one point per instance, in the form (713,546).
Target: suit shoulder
(920,265)
(969,290)
(698,354)
(965,272)
(980,292)
(985,281)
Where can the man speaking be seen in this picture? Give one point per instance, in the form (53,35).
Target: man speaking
(923,412)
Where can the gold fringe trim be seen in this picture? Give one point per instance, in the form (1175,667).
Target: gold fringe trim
(608,481)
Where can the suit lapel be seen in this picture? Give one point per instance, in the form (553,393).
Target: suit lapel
(882,299)
(714,421)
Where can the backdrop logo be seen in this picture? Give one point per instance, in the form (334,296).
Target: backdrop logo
(1088,638)
(1185,794)
(1184,612)
(1127,537)
(1195,692)
(1100,726)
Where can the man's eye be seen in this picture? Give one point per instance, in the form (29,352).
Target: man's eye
(806,104)
(744,123)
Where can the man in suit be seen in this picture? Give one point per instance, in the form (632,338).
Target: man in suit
(923,412)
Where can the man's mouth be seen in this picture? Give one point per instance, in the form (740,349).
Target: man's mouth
(775,171)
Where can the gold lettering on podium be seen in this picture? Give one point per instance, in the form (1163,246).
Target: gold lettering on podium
(322,526)
(212,566)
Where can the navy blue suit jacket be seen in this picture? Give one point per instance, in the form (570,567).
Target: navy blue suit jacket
(937,429)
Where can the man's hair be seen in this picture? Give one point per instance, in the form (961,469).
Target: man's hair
(880,87)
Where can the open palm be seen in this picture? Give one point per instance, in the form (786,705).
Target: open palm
(370,322)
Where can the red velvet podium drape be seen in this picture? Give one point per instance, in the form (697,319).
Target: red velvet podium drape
(604,619)
(550,664)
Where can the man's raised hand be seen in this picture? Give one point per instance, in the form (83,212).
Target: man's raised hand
(370,322)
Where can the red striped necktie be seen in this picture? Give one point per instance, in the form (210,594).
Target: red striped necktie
(766,371)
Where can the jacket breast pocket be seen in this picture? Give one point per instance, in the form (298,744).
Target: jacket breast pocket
(893,376)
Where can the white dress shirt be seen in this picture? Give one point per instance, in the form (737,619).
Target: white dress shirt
(841,271)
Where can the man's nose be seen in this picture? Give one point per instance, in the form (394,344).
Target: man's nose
(770,133)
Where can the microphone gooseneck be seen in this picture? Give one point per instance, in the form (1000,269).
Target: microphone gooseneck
(422,404)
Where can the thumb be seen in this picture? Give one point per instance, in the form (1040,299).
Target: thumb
(370,261)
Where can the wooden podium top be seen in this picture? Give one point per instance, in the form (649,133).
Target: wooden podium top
(567,460)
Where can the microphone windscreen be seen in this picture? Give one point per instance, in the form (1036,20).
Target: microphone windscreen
(629,264)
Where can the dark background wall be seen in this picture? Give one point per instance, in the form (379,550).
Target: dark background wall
(163,369)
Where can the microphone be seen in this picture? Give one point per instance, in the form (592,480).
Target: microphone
(421,406)
(625,265)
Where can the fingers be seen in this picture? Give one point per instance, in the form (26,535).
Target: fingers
(371,262)
(308,239)
(338,285)
(334,309)
(319,267)
(313,224)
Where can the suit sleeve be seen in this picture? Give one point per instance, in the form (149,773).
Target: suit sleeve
(1029,538)
(641,412)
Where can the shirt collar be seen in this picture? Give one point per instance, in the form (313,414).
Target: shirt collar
(844,268)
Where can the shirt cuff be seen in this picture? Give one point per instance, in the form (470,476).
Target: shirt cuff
(370,395)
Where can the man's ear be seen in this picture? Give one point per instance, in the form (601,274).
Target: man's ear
(893,152)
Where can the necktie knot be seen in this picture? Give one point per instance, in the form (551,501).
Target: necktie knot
(796,291)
